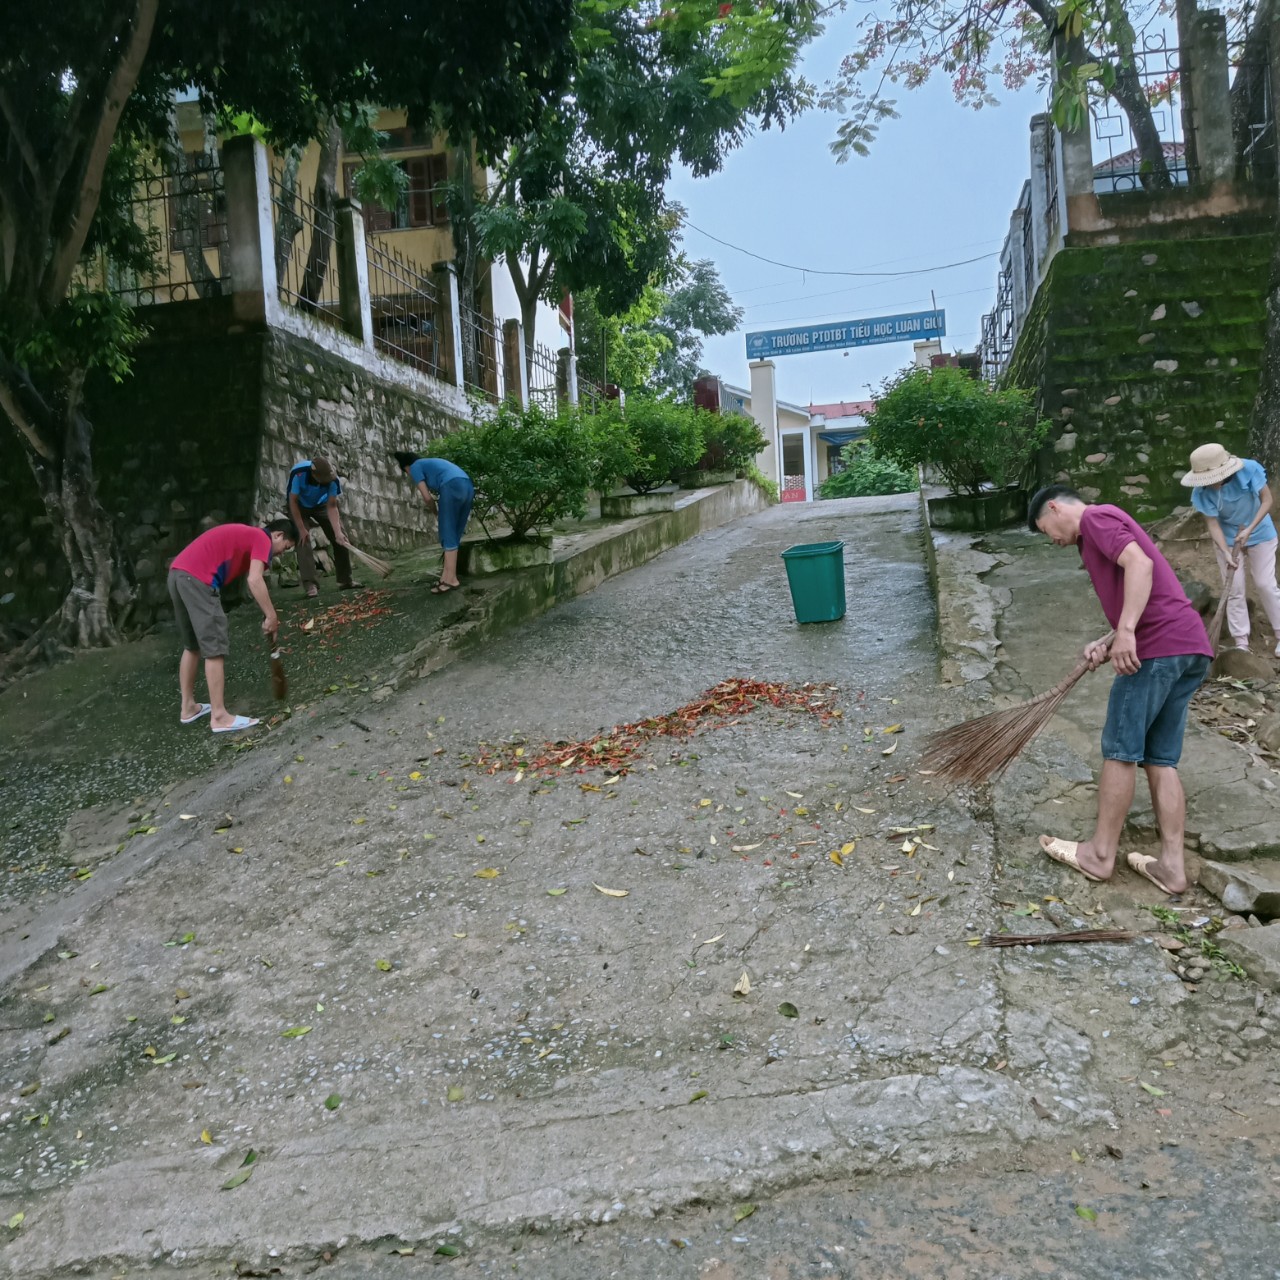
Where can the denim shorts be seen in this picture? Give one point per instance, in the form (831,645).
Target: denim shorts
(454,507)
(1147,712)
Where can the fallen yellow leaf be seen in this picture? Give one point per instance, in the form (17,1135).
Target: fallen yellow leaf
(746,848)
(915,911)
(860,809)
(847,849)
(888,751)
(893,728)
(611,893)
(836,857)
(487,873)
(206,1137)
(743,986)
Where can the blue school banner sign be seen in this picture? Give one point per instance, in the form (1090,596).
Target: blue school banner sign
(913,327)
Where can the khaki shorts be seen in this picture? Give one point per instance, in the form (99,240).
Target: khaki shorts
(198,611)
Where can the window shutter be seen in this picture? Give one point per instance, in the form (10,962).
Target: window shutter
(419,191)
(438,169)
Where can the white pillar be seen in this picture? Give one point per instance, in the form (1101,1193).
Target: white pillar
(764,409)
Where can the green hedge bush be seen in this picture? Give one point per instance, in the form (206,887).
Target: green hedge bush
(970,432)
(530,468)
(730,441)
(866,474)
(661,439)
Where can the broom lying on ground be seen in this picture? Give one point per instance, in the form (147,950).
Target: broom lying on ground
(982,749)
(380,567)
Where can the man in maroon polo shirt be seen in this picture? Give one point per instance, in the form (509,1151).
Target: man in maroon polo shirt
(196,577)
(1161,653)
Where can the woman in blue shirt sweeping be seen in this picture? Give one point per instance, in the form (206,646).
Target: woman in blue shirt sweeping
(448,489)
(1233,496)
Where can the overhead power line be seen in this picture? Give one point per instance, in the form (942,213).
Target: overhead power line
(819,271)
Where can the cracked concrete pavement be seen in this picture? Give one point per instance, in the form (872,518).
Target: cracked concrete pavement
(488,1056)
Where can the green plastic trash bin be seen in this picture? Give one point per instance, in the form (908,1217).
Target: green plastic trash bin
(815,573)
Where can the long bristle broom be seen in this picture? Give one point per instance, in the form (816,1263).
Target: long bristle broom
(380,567)
(1215,626)
(981,750)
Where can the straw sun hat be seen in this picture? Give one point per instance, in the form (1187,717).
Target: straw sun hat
(1210,463)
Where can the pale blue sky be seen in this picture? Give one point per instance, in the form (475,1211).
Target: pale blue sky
(938,187)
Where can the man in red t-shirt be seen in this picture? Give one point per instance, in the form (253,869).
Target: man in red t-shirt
(1161,654)
(198,573)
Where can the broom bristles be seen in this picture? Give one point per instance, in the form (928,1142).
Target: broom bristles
(380,567)
(982,749)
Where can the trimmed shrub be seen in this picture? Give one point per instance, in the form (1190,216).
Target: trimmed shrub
(867,474)
(529,468)
(730,441)
(969,431)
(663,438)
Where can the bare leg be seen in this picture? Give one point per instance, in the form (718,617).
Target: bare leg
(1170,803)
(1115,795)
(215,675)
(449,569)
(187,669)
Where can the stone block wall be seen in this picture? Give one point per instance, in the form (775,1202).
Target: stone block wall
(204,431)
(313,402)
(1140,352)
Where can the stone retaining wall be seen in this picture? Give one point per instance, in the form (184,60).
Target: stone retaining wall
(1140,352)
(204,431)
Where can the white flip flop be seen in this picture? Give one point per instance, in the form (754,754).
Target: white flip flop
(240,722)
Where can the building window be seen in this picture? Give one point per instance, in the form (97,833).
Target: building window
(420,205)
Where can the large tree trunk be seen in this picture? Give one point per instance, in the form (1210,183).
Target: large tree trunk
(325,200)
(1128,91)
(59,450)
(190,203)
(288,224)
(1153,169)
(1249,105)
(1264,428)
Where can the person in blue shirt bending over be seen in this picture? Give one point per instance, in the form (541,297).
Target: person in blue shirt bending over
(311,497)
(1233,496)
(448,489)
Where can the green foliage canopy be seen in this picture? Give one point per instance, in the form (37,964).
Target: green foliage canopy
(970,432)
(866,474)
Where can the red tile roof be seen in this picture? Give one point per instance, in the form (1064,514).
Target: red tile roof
(842,408)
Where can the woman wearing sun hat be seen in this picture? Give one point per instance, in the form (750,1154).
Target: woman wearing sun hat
(1233,496)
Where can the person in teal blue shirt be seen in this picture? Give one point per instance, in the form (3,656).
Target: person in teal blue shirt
(1235,499)
(311,497)
(445,487)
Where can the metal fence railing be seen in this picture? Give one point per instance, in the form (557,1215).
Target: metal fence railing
(182,218)
(306,252)
(1253,121)
(408,318)
(998,334)
(481,348)
(591,395)
(1118,163)
(543,376)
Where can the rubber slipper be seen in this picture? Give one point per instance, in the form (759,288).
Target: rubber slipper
(312,591)
(351,586)
(1064,851)
(441,587)
(205,708)
(1141,863)
(240,722)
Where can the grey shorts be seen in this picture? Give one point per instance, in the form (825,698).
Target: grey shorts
(198,612)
